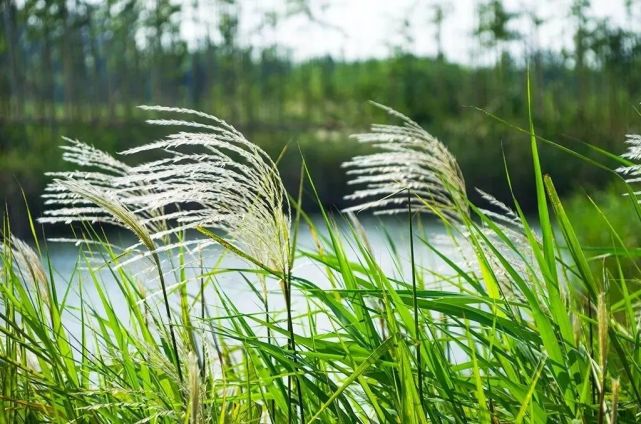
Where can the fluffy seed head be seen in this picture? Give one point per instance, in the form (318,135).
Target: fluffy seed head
(209,176)
(632,173)
(213,177)
(25,263)
(407,158)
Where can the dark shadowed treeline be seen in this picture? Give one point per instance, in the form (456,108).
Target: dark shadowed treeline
(78,68)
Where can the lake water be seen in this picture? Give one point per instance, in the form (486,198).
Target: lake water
(72,276)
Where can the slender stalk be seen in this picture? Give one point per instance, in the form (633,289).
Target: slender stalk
(602,399)
(249,392)
(202,317)
(292,255)
(602,322)
(299,392)
(591,349)
(168,311)
(272,403)
(292,346)
(419,361)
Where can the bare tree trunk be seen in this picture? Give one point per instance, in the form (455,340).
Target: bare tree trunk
(66,55)
(48,81)
(15,95)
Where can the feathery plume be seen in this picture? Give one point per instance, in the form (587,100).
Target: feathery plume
(632,173)
(408,158)
(412,171)
(215,178)
(510,243)
(101,176)
(504,216)
(633,153)
(211,178)
(26,264)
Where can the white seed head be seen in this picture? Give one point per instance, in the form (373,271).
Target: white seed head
(209,176)
(632,173)
(407,158)
(25,263)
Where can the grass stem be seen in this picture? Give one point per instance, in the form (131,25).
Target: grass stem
(168,312)
(419,362)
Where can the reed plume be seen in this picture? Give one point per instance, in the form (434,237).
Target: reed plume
(101,176)
(213,177)
(407,158)
(632,173)
(19,257)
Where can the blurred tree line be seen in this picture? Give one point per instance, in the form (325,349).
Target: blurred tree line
(79,67)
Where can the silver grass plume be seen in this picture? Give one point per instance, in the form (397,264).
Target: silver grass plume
(224,182)
(99,192)
(503,216)
(213,177)
(510,224)
(210,177)
(109,191)
(25,264)
(632,173)
(102,203)
(519,255)
(407,158)
(411,171)
(71,196)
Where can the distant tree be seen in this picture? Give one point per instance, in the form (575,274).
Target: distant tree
(228,26)
(162,33)
(579,12)
(10,58)
(493,28)
(440,10)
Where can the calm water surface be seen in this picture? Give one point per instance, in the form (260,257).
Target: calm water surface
(72,276)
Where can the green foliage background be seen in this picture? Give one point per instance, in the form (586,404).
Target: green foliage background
(80,69)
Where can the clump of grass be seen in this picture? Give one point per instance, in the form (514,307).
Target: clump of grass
(556,347)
